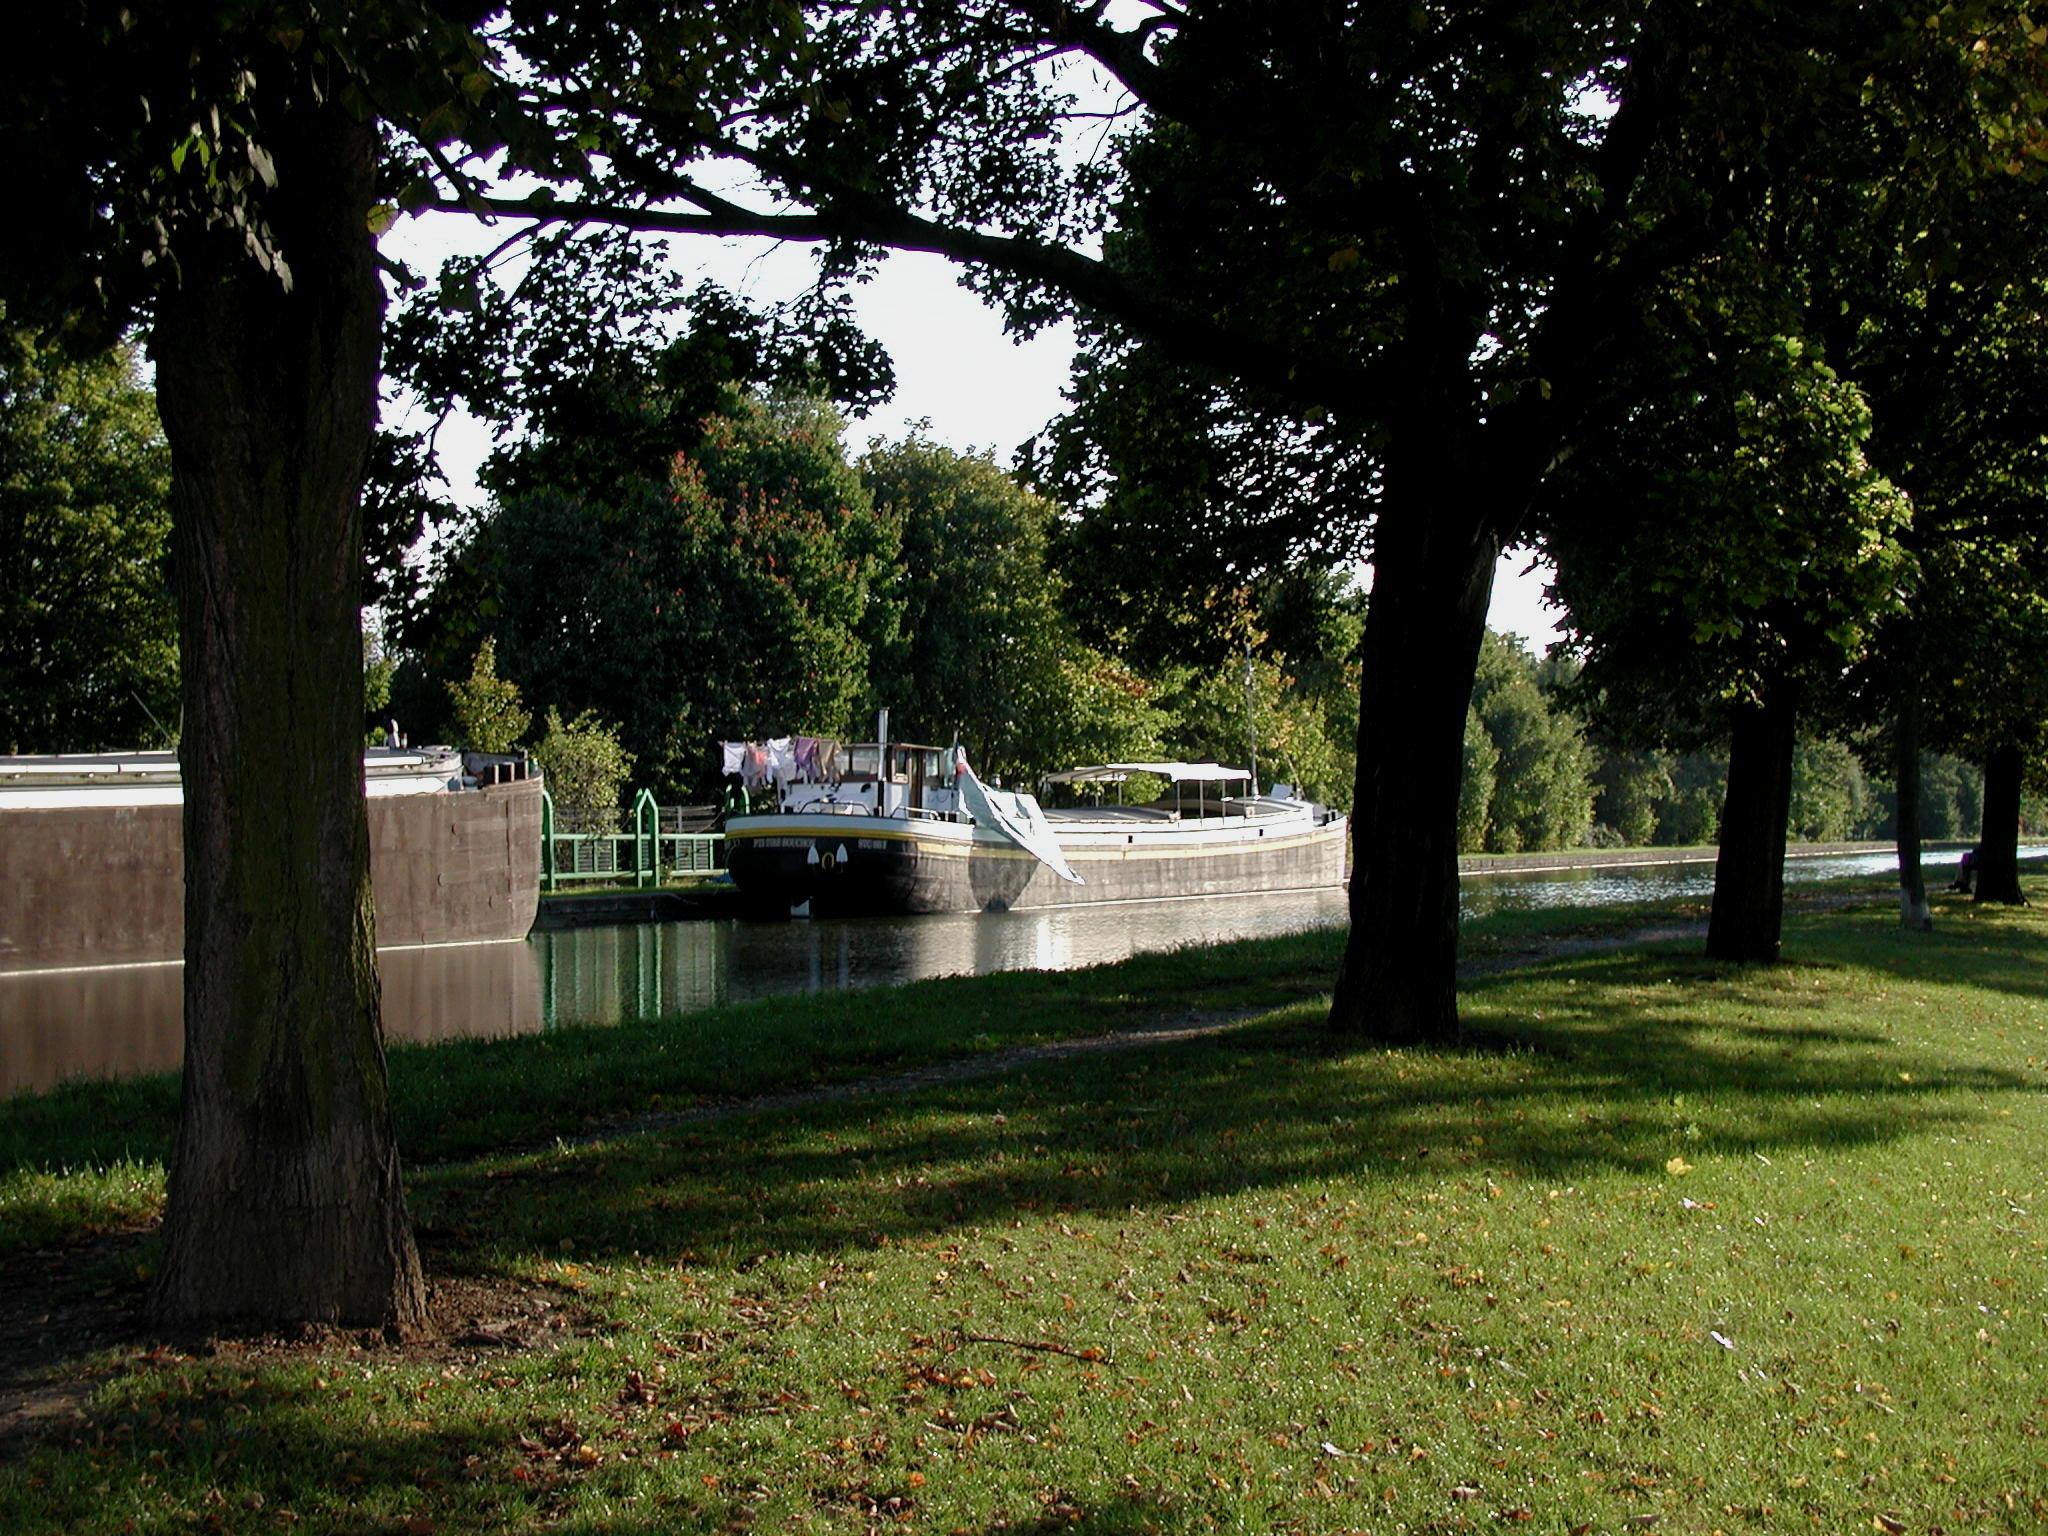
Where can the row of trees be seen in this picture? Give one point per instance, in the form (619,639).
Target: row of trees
(963,608)
(1739,296)
(933,582)
(1540,774)
(745,580)
(88,623)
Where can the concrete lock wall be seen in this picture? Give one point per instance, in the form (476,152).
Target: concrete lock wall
(106,886)
(456,868)
(91,886)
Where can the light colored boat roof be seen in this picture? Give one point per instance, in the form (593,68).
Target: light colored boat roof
(131,765)
(1180,773)
(77,779)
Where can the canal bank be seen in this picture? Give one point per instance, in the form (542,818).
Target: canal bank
(1569,859)
(56,1026)
(703,899)
(697,902)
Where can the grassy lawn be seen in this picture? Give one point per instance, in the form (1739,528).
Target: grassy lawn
(1680,1247)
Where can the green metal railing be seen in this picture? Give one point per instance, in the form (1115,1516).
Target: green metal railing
(642,855)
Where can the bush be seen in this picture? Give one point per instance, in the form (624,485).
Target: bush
(488,714)
(585,767)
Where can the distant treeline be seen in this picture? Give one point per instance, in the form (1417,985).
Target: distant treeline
(1539,775)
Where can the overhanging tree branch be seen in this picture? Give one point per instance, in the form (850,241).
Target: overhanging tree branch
(1307,380)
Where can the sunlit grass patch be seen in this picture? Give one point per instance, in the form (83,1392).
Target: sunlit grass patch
(39,1207)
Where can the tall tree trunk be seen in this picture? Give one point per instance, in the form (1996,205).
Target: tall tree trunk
(1748,918)
(1914,912)
(285,1198)
(1432,577)
(1998,849)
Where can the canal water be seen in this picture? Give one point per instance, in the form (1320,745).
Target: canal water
(115,1022)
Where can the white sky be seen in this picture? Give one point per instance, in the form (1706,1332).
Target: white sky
(955,368)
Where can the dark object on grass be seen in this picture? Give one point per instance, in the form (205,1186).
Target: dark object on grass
(1966,872)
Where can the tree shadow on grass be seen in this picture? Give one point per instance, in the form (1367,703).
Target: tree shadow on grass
(1128,1515)
(1997,948)
(1626,1073)
(341,1443)
(218,1444)
(1627,1062)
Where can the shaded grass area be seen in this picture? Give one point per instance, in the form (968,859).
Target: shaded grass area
(1737,1250)
(460,1096)
(91,1154)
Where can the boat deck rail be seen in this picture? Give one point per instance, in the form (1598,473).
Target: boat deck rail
(1086,813)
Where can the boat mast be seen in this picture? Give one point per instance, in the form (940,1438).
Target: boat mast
(882,764)
(1251,723)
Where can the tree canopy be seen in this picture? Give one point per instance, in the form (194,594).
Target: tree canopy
(733,584)
(88,623)
(987,652)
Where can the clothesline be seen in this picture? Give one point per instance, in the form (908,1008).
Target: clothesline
(781,760)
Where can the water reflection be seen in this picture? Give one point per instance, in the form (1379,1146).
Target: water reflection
(1611,884)
(56,1025)
(110,1023)
(604,975)
(117,1022)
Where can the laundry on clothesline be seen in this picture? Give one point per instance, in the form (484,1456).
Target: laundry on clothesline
(781,760)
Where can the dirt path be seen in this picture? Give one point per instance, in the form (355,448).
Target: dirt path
(959,1069)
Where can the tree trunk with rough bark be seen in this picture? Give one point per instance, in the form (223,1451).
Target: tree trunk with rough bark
(1747,923)
(1432,577)
(285,1200)
(1914,913)
(1998,849)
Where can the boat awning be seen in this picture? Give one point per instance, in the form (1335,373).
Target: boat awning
(1180,773)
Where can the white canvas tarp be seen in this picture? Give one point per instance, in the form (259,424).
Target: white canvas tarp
(1017,817)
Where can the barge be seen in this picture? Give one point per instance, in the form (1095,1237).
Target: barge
(884,827)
